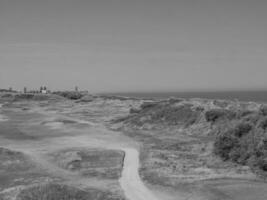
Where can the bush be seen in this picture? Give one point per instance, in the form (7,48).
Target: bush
(243,144)
(242,129)
(263,123)
(70,95)
(224,144)
(262,163)
(243,113)
(263,110)
(214,114)
(148,105)
(24,96)
(134,110)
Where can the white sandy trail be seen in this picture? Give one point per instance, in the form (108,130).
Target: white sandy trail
(130,180)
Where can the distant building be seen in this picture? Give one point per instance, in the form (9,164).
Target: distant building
(43,90)
(25,90)
(76,89)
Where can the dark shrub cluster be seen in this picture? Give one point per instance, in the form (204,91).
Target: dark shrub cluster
(215,114)
(244,144)
(148,105)
(31,96)
(73,95)
(263,110)
(263,123)
(24,96)
(225,143)
(242,129)
(134,110)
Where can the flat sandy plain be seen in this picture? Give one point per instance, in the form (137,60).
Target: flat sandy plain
(68,146)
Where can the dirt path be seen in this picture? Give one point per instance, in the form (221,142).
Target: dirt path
(130,181)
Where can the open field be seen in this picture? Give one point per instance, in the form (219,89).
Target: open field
(42,143)
(74,149)
(91,162)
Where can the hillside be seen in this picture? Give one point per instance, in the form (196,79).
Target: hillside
(195,139)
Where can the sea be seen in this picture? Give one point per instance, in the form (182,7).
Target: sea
(255,96)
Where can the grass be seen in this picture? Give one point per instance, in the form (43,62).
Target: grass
(13,160)
(54,191)
(180,139)
(16,169)
(155,113)
(91,162)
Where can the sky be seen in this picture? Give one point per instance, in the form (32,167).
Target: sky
(134,45)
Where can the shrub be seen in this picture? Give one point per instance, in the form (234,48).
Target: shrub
(7,95)
(214,114)
(243,113)
(24,96)
(262,163)
(224,143)
(243,144)
(148,105)
(263,123)
(263,110)
(70,95)
(252,118)
(134,110)
(242,129)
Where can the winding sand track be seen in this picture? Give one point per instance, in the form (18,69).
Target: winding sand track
(130,180)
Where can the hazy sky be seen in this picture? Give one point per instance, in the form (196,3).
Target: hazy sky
(134,45)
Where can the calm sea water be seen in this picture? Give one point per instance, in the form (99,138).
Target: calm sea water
(257,96)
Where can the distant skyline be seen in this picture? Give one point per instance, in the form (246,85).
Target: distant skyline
(134,45)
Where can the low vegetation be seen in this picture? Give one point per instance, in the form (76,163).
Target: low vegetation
(73,95)
(53,191)
(240,132)
(162,113)
(186,140)
(91,162)
(12,160)
(216,114)
(17,97)
(241,135)
(245,143)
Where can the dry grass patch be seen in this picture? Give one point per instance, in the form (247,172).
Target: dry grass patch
(53,191)
(91,162)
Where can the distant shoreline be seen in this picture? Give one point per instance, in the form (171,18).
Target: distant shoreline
(255,96)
